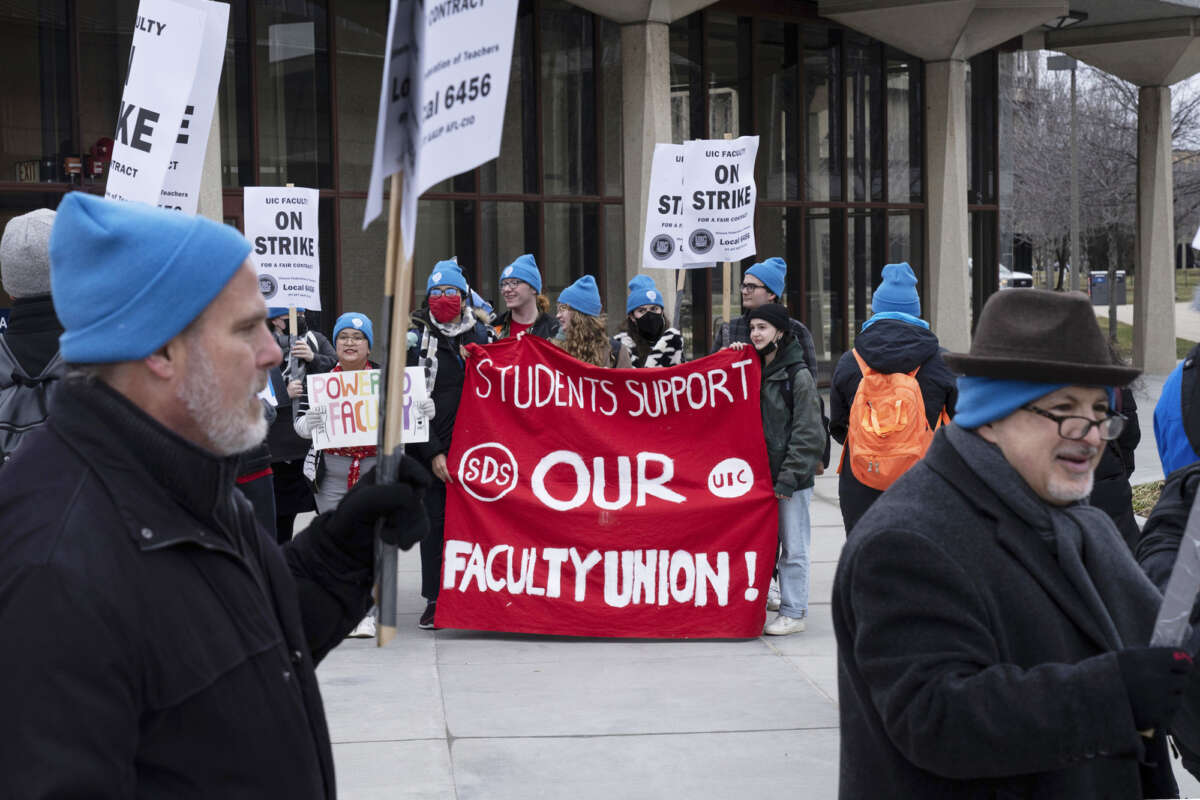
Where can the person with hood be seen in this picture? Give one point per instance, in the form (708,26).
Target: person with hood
(582,323)
(894,339)
(441,329)
(795,435)
(30,364)
(647,337)
(526,308)
(161,644)
(991,626)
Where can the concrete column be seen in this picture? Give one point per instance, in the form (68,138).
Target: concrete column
(1154,287)
(211,203)
(948,284)
(646,120)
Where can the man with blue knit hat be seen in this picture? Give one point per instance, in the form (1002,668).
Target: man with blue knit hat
(992,627)
(763,283)
(527,310)
(647,338)
(894,340)
(165,645)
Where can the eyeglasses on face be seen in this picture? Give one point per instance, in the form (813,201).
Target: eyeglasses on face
(1075,428)
(348,337)
(511,283)
(750,287)
(449,291)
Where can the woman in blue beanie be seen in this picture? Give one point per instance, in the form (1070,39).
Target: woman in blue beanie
(582,326)
(648,339)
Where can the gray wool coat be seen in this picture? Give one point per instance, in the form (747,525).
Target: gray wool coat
(969,667)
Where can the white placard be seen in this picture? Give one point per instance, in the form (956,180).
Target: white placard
(665,246)
(719,198)
(1196,240)
(441,105)
(181,188)
(158,82)
(283,227)
(347,404)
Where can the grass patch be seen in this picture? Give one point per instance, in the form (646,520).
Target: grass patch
(1145,496)
(1125,340)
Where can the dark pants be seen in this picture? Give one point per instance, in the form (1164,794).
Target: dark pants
(431,545)
(261,494)
(285,525)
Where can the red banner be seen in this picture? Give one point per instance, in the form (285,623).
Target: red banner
(604,502)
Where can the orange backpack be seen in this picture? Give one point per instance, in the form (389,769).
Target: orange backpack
(888,431)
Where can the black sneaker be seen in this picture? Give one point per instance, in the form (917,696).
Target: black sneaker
(426,621)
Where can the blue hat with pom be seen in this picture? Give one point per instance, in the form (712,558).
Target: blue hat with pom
(524,269)
(773,274)
(446,273)
(352,320)
(128,277)
(897,291)
(583,296)
(643,292)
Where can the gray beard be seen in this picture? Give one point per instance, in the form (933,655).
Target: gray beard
(228,431)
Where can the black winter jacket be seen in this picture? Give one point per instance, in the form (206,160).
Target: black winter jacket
(33,331)
(969,665)
(1111,491)
(161,644)
(888,345)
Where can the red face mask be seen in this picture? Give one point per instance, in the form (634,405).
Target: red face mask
(445,309)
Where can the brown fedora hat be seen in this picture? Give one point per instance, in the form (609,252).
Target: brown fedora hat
(1039,335)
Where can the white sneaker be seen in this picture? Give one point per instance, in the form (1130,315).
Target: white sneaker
(773,595)
(782,626)
(365,629)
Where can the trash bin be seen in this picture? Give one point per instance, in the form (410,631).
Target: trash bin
(1099,289)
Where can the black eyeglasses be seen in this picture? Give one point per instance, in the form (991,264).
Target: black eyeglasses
(449,291)
(750,287)
(1076,428)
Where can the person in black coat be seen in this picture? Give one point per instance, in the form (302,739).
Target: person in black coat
(895,339)
(440,330)
(162,645)
(1112,492)
(990,624)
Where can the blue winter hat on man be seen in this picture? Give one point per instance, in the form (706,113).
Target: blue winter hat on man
(446,273)
(897,291)
(352,320)
(583,296)
(773,274)
(524,269)
(128,277)
(643,292)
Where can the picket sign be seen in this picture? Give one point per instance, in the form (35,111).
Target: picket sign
(348,406)
(283,227)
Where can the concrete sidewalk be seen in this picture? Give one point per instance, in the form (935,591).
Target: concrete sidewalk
(1187,319)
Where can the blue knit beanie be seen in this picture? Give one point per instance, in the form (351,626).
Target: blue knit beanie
(983,400)
(524,269)
(643,292)
(773,274)
(583,296)
(128,277)
(897,291)
(281,311)
(355,321)
(446,273)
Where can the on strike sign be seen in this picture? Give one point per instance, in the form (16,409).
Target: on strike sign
(624,515)
(282,225)
(720,193)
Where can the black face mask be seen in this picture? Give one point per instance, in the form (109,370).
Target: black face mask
(650,325)
(770,348)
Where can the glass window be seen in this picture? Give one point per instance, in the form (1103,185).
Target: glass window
(864,123)
(981,126)
(234,105)
(866,264)
(294,142)
(614,266)
(825,274)
(778,111)
(360,33)
(507,231)
(515,172)
(362,258)
(611,100)
(446,229)
(823,117)
(728,65)
(904,144)
(687,106)
(568,99)
(35,126)
(985,275)
(572,246)
(105,35)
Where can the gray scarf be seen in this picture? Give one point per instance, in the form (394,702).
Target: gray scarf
(1089,549)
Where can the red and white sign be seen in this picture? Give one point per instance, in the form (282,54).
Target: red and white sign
(605,502)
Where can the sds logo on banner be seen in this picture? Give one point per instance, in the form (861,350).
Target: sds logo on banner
(488,471)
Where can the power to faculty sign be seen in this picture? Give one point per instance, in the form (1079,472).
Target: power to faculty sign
(624,515)
(284,233)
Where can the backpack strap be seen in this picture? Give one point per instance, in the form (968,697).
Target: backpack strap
(862,365)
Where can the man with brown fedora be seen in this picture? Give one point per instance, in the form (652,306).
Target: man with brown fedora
(991,625)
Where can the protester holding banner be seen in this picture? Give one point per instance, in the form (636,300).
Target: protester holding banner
(582,326)
(647,338)
(791,415)
(441,329)
(528,310)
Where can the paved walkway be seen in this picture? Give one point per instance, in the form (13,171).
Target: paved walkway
(461,714)
(1187,319)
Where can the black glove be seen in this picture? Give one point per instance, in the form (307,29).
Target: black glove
(1155,678)
(398,505)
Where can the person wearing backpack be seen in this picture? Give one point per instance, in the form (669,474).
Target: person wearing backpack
(795,437)
(30,363)
(1177,414)
(902,355)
